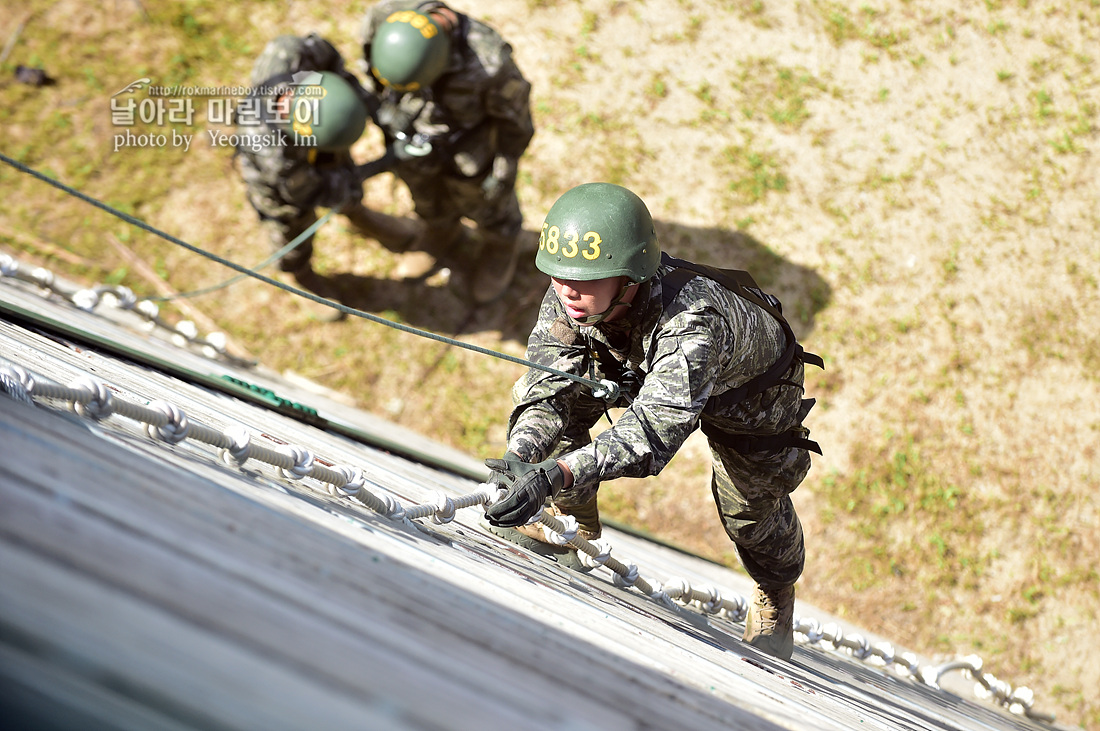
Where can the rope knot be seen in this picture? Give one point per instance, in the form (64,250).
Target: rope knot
(11,385)
(603,552)
(43,277)
(302,459)
(122,297)
(658,594)
(8,266)
(678,589)
(239,443)
(353,480)
(812,630)
(859,646)
(147,309)
(85,299)
(883,650)
(607,390)
(567,534)
(185,332)
(734,609)
(177,426)
(216,344)
(492,493)
(20,374)
(99,405)
(393,509)
(713,604)
(833,634)
(444,509)
(622,581)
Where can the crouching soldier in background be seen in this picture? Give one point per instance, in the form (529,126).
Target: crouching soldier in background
(296,132)
(449,79)
(691,347)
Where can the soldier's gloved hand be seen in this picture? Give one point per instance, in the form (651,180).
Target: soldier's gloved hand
(501,177)
(530,485)
(406,147)
(502,471)
(338,186)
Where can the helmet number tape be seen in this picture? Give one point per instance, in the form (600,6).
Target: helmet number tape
(550,241)
(421,22)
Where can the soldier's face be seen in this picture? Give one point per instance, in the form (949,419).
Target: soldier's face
(586,298)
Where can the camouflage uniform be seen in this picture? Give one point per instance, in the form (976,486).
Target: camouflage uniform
(478,119)
(286,182)
(705,342)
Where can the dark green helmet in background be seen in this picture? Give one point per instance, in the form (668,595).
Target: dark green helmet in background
(598,230)
(326,108)
(409,51)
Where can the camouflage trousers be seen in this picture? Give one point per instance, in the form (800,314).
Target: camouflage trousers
(752,494)
(442,200)
(281,231)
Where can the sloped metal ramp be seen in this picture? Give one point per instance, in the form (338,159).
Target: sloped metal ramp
(148,585)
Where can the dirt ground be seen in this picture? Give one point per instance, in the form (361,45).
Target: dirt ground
(916,180)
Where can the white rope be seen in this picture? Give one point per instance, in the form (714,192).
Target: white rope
(183,333)
(166,422)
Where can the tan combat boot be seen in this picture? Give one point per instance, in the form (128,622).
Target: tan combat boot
(588,521)
(770,624)
(533,539)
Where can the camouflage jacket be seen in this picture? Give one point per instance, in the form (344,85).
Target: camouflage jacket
(476,112)
(284,179)
(705,342)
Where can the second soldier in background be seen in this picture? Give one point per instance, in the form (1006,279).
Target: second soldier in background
(451,80)
(286,182)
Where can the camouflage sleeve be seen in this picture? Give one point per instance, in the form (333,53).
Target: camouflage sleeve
(508,105)
(682,373)
(280,186)
(543,401)
(288,54)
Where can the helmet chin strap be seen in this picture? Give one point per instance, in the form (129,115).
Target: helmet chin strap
(597,319)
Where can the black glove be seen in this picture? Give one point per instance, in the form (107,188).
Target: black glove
(339,185)
(501,178)
(528,487)
(502,472)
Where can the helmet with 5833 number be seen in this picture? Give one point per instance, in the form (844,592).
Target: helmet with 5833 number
(596,231)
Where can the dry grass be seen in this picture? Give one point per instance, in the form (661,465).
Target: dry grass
(917,181)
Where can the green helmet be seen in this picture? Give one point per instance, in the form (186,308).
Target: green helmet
(598,230)
(409,51)
(326,107)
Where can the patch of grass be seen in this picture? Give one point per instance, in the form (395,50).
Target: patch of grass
(753,11)
(894,484)
(657,88)
(777,92)
(842,25)
(1044,331)
(751,173)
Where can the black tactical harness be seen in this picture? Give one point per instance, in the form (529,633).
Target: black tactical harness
(743,285)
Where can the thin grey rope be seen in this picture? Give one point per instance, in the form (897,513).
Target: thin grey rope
(607,389)
(294,244)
